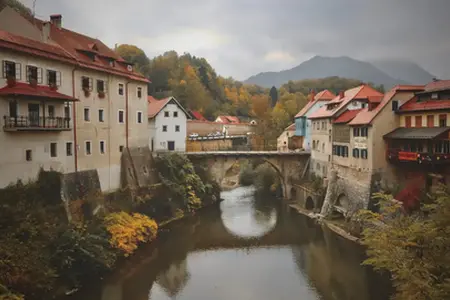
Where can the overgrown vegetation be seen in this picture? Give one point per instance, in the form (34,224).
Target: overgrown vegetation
(262,175)
(42,253)
(413,247)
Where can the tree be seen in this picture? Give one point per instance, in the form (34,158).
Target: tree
(274,95)
(17,6)
(135,55)
(412,247)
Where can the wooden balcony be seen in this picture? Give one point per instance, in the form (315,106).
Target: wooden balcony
(27,123)
(424,158)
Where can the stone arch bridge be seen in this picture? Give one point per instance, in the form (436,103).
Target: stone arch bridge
(290,166)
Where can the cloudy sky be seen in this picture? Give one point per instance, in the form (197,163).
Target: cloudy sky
(243,37)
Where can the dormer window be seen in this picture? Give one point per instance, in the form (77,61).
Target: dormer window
(435,96)
(112,63)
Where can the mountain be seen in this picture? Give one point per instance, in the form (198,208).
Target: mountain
(320,67)
(404,70)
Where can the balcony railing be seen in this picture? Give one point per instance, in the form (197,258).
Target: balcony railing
(395,155)
(27,123)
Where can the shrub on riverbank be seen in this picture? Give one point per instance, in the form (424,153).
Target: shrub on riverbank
(412,247)
(247,174)
(266,179)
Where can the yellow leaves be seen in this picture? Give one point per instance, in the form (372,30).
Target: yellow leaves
(127,231)
(182,82)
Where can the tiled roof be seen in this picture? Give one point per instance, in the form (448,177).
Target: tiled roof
(85,51)
(437,85)
(366,116)
(324,95)
(415,105)
(40,91)
(346,116)
(229,119)
(416,133)
(290,127)
(197,115)
(360,92)
(29,46)
(155,106)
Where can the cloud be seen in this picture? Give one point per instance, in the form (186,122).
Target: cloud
(241,38)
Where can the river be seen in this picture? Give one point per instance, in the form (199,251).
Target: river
(244,249)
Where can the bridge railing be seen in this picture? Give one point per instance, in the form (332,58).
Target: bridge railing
(203,147)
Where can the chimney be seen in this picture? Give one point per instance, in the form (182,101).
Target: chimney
(312,95)
(45,32)
(56,20)
(341,94)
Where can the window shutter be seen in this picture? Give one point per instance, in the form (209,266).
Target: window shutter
(27,70)
(18,71)
(4,68)
(39,75)
(90,83)
(105,86)
(58,78)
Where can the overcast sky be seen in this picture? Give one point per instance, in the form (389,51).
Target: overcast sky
(243,37)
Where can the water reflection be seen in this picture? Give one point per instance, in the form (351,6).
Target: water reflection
(244,249)
(244,217)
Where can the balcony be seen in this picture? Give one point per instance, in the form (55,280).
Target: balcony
(423,158)
(27,123)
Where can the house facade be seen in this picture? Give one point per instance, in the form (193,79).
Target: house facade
(110,115)
(303,124)
(167,123)
(284,138)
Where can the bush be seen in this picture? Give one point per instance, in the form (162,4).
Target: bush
(412,247)
(247,174)
(129,230)
(266,179)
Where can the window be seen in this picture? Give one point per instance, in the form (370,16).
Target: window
(139,117)
(121,116)
(395,105)
(87,117)
(364,131)
(28,155)
(434,96)
(139,92)
(100,86)
(166,114)
(67,112)
(364,153)
(120,148)
(11,69)
(102,147)
(121,89)
(53,78)
(101,117)
(356,131)
(87,147)
(51,111)
(164,128)
(430,121)
(408,121)
(13,106)
(418,121)
(177,128)
(86,83)
(442,120)
(356,153)
(334,150)
(69,147)
(53,150)
(34,73)
(175,114)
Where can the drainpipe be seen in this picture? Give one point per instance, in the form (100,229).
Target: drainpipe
(74,121)
(126,113)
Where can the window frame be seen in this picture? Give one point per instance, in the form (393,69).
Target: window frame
(139,117)
(87,142)
(100,143)
(57,77)
(70,152)
(120,89)
(121,112)
(98,86)
(17,69)
(53,149)
(139,92)
(86,79)
(88,110)
(30,70)
(177,128)
(364,154)
(166,114)
(164,128)
(101,115)
(28,155)
(175,114)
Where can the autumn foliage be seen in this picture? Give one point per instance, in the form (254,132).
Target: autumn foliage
(129,230)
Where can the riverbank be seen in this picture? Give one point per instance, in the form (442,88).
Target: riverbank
(334,225)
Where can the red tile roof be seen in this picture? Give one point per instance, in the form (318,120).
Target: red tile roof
(437,85)
(324,95)
(414,105)
(229,119)
(360,92)
(29,46)
(40,91)
(366,116)
(155,106)
(290,127)
(346,116)
(198,116)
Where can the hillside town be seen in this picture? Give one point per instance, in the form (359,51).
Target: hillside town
(97,159)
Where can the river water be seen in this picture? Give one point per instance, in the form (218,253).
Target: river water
(244,249)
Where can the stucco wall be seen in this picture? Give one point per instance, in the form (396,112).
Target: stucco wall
(424,119)
(161,138)
(321,136)
(13,160)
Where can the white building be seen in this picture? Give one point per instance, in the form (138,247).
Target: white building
(167,122)
(108,117)
(283,139)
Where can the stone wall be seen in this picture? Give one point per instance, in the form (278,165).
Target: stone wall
(203,128)
(208,145)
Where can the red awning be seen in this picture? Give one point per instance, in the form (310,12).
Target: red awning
(40,91)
